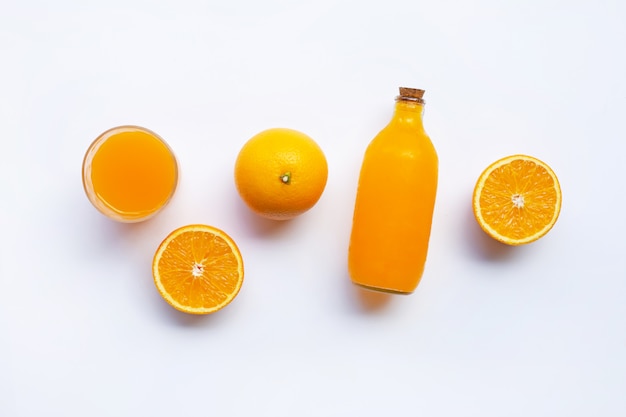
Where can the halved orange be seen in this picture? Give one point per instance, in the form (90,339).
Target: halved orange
(517,199)
(198,269)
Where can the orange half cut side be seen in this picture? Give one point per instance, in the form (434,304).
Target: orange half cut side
(198,269)
(517,199)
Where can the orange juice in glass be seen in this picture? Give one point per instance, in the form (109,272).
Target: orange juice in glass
(129,173)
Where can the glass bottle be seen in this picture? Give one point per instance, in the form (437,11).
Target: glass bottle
(395,202)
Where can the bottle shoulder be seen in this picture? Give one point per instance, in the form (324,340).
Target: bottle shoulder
(394,137)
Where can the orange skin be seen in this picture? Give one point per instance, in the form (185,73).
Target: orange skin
(280,173)
(394,205)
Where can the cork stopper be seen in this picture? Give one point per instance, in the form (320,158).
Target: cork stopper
(411,94)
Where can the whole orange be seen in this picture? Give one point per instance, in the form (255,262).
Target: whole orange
(280,173)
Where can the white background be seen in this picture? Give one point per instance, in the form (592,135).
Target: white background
(538,330)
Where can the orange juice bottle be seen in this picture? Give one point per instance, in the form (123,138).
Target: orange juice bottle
(395,202)
(129,173)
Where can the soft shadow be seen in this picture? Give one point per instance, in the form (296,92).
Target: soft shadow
(483,246)
(113,232)
(365,300)
(179,319)
(98,237)
(259,226)
(372,301)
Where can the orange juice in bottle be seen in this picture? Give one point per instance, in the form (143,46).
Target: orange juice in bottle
(395,202)
(129,173)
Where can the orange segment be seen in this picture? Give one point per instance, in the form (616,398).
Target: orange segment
(517,199)
(198,269)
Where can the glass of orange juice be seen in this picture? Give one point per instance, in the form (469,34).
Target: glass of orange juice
(129,173)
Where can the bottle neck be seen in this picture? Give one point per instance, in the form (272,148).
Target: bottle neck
(408,113)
